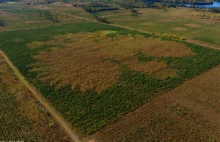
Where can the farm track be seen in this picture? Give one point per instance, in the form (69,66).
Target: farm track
(198,88)
(39,97)
(188,41)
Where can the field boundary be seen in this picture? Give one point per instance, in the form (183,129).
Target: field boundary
(39,97)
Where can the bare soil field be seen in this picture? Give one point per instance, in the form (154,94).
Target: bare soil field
(189,112)
(39,120)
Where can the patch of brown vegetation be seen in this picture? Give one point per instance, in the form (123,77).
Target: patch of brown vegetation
(35,44)
(85,62)
(160,48)
(3,14)
(208,21)
(179,29)
(189,112)
(148,67)
(79,69)
(193,25)
(9,16)
(77,65)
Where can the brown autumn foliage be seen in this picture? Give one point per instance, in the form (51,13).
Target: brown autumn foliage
(160,48)
(82,62)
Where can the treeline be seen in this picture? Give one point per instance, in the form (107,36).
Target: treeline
(143,4)
(2,23)
(216,10)
(94,9)
(51,17)
(1,1)
(102,19)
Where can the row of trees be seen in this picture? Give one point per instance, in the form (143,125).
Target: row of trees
(216,10)
(94,9)
(2,23)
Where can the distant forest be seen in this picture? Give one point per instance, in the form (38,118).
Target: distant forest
(9,1)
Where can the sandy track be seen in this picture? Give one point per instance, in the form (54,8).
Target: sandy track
(39,97)
(203,44)
(200,95)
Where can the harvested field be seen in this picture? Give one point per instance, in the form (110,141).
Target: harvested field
(88,66)
(189,112)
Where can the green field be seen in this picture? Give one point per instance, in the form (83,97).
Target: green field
(179,21)
(90,111)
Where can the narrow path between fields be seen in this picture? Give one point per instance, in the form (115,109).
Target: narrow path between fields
(39,97)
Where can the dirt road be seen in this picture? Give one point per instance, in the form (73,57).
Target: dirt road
(60,120)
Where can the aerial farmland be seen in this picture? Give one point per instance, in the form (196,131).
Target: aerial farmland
(109,71)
